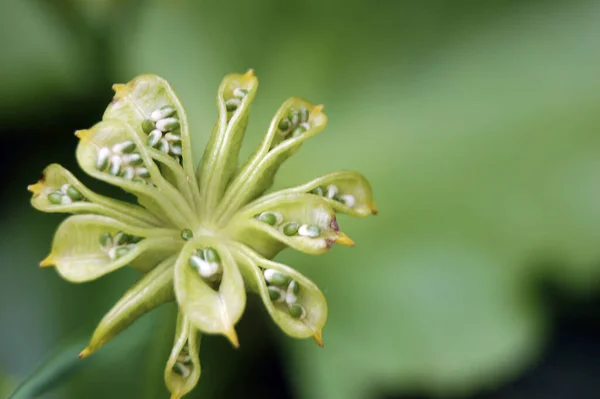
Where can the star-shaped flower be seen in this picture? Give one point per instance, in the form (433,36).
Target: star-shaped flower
(200,237)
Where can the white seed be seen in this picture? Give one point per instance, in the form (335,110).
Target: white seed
(347,200)
(163,145)
(154,137)
(290,298)
(142,172)
(124,147)
(175,148)
(162,113)
(173,137)
(115,165)
(168,124)
(112,253)
(239,92)
(133,159)
(306,125)
(332,191)
(102,160)
(65,200)
(309,230)
(128,173)
(64,188)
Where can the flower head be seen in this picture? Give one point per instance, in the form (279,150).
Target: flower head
(200,237)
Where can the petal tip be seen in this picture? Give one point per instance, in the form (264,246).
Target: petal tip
(373,208)
(318,338)
(85,353)
(318,108)
(47,262)
(80,134)
(249,73)
(231,335)
(343,239)
(35,188)
(118,88)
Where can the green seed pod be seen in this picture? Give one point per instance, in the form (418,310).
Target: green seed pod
(78,257)
(293,117)
(298,131)
(209,310)
(127,172)
(148,126)
(115,165)
(55,197)
(187,234)
(163,145)
(182,370)
(173,137)
(175,148)
(196,262)
(290,229)
(240,93)
(74,194)
(318,191)
(142,172)
(152,290)
(134,159)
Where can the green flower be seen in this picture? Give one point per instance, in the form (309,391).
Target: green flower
(200,237)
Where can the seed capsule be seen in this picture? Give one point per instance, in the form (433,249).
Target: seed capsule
(211,255)
(120,238)
(184,358)
(290,229)
(293,116)
(187,234)
(240,93)
(173,137)
(168,124)
(154,137)
(147,125)
(122,251)
(102,160)
(115,165)
(124,148)
(309,230)
(65,200)
(162,113)
(74,194)
(274,277)
(232,104)
(297,311)
(55,197)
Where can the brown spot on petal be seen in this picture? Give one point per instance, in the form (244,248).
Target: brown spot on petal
(334,225)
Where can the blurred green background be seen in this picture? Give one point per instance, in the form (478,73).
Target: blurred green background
(477,124)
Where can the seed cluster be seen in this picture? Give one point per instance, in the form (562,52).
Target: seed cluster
(284,290)
(296,123)
(233,103)
(332,192)
(183,364)
(66,195)
(275,219)
(122,160)
(163,131)
(118,245)
(207,263)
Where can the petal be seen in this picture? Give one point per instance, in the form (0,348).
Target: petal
(54,180)
(135,103)
(210,310)
(220,159)
(155,194)
(152,290)
(291,208)
(309,296)
(258,172)
(182,371)
(346,191)
(78,254)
